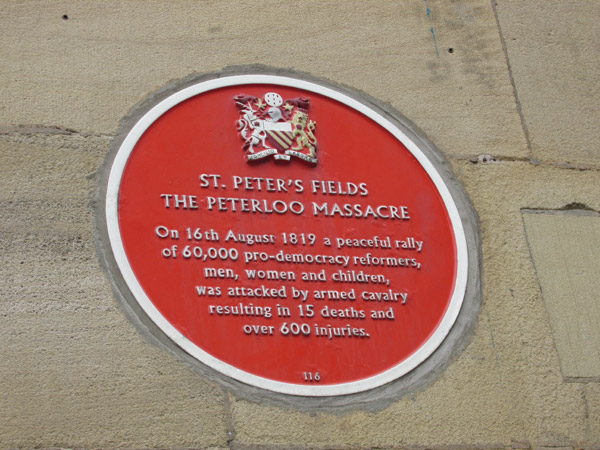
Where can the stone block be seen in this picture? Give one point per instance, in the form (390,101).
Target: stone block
(554,52)
(565,248)
(397,52)
(74,372)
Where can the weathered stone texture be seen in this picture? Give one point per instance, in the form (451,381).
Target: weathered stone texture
(86,72)
(553,49)
(565,248)
(551,410)
(74,372)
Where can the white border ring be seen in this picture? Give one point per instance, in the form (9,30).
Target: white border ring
(111,216)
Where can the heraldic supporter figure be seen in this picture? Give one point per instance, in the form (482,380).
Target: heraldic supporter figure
(268,126)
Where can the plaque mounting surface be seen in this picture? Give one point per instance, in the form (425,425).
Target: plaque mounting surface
(286,234)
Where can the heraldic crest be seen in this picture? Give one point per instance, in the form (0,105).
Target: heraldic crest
(269,126)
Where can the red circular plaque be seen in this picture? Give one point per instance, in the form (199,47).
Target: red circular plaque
(286,235)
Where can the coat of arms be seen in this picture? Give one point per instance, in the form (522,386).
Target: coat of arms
(269,126)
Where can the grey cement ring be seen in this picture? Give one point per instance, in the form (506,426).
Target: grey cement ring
(454,339)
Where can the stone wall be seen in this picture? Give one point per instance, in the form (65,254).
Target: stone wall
(508,90)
